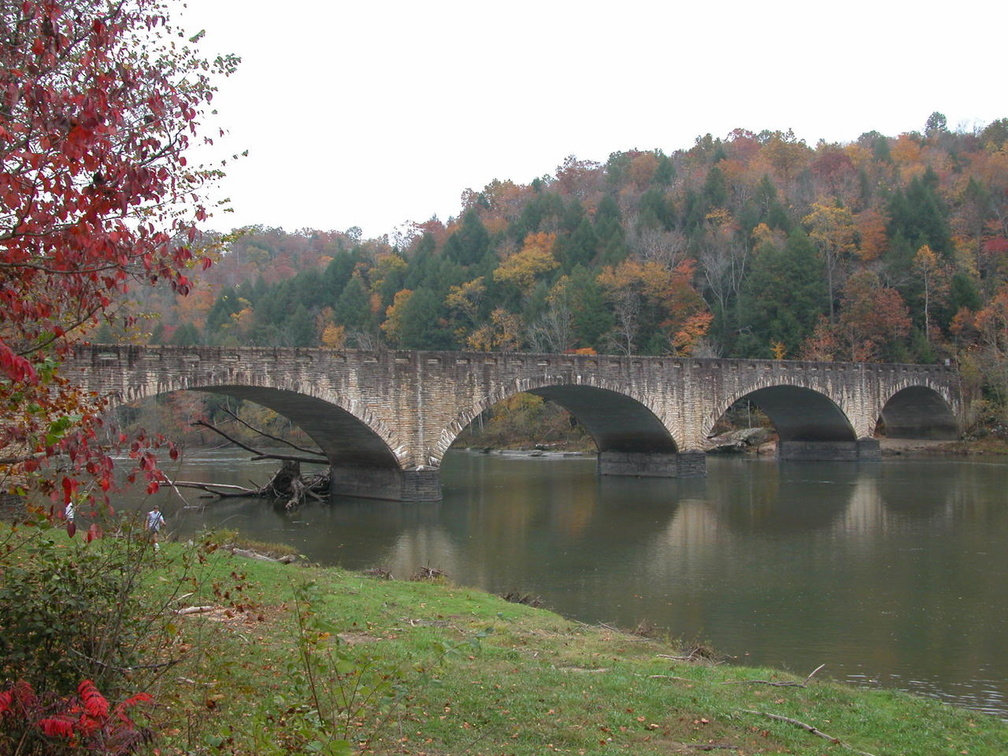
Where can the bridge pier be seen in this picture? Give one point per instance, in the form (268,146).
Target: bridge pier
(829,451)
(386,483)
(686,464)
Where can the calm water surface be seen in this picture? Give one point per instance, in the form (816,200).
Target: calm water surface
(890,573)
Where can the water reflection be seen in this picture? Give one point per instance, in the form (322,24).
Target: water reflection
(889,573)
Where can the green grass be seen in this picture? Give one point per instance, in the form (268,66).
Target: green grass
(450,670)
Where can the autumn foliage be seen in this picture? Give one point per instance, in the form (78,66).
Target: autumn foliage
(756,244)
(29,723)
(98,105)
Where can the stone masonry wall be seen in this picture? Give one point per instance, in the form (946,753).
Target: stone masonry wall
(410,406)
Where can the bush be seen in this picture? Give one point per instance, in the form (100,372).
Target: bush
(31,724)
(73,610)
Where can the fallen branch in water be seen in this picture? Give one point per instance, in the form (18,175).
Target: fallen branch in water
(221,490)
(777,684)
(808,728)
(288,485)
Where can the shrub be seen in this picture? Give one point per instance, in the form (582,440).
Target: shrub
(73,609)
(31,724)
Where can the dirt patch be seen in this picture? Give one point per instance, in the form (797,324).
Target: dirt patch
(245,616)
(356,639)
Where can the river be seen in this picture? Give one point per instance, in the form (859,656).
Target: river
(890,573)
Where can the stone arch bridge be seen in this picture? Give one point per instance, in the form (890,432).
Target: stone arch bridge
(385,419)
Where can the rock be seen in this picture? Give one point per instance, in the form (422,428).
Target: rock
(738,441)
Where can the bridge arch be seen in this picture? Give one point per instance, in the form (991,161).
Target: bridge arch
(799,414)
(919,412)
(360,447)
(630,437)
(342,436)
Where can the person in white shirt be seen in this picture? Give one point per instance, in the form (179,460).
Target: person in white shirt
(155,521)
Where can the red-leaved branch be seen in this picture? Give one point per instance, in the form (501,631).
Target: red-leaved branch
(99,102)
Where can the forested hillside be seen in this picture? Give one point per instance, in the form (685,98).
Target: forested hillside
(886,248)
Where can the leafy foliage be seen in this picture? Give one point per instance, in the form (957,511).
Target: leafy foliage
(31,724)
(73,610)
(99,105)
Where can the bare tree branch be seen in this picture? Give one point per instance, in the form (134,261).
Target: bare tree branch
(259,454)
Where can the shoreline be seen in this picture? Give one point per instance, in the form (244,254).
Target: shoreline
(890,447)
(522,677)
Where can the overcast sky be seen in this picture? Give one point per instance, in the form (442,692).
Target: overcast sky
(373,113)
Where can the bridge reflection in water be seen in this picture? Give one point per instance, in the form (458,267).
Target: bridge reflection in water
(385,419)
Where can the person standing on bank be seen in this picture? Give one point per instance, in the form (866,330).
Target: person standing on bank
(155,521)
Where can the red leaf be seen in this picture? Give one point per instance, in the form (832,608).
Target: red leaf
(95,704)
(57,727)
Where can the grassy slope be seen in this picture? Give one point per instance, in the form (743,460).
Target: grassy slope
(514,680)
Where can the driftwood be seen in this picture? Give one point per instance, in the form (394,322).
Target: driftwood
(778,683)
(808,728)
(288,485)
(248,554)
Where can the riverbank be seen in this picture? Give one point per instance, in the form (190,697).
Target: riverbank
(896,447)
(432,668)
(762,442)
(908,447)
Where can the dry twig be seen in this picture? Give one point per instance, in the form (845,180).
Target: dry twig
(778,684)
(809,728)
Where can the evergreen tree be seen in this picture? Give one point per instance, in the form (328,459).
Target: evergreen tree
(655,210)
(665,172)
(470,244)
(590,315)
(338,273)
(219,318)
(186,334)
(353,307)
(715,189)
(782,299)
(421,259)
(422,323)
(920,215)
(609,229)
(580,248)
(300,329)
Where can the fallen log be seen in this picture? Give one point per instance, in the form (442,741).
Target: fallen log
(287,485)
(249,554)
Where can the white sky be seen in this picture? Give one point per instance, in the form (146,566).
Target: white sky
(374,113)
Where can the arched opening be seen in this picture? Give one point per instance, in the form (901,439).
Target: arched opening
(628,438)
(804,415)
(361,463)
(615,421)
(920,413)
(525,422)
(808,424)
(343,438)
